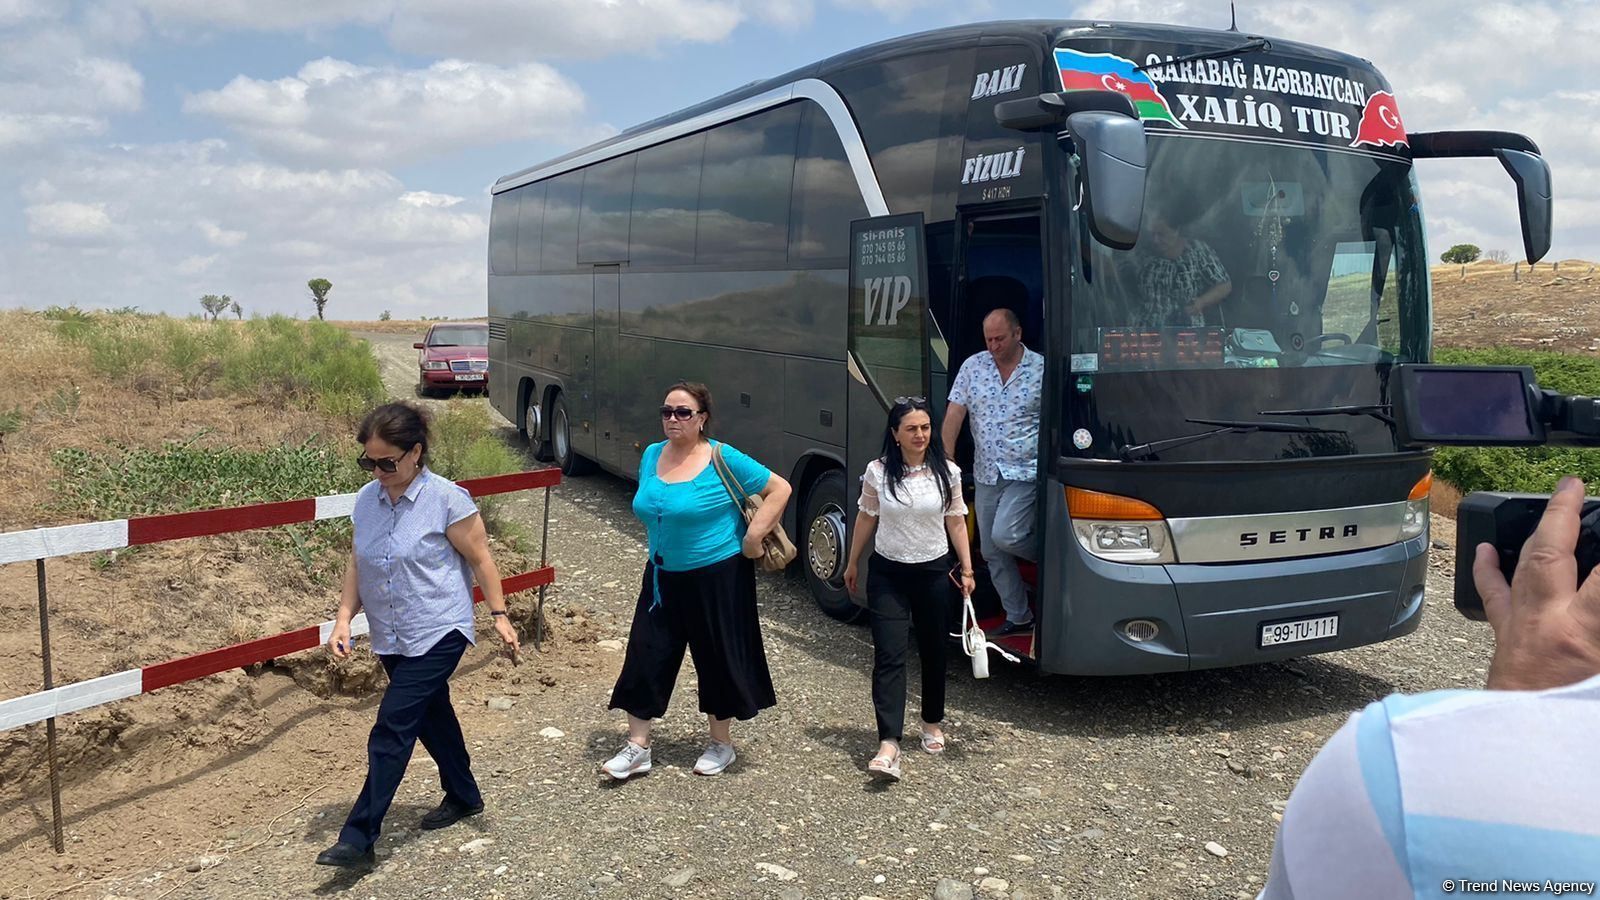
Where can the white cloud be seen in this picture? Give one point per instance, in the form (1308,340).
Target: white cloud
(169,223)
(271,15)
(53,88)
(1525,67)
(218,236)
(504,31)
(68,222)
(15,12)
(337,113)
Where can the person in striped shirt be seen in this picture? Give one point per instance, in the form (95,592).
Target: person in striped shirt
(1457,792)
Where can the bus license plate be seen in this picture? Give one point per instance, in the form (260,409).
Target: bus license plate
(474,377)
(1299,630)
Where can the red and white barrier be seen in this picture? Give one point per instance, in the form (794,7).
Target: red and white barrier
(44,543)
(93,537)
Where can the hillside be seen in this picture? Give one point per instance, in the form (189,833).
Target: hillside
(1555,306)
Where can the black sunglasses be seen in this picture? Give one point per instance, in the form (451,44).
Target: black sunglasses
(681,413)
(387,464)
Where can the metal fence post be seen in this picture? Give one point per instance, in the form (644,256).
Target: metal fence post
(50,723)
(544,562)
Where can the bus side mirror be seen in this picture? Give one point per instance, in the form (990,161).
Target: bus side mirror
(1532,175)
(1522,161)
(1111,152)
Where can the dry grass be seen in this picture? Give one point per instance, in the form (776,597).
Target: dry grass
(1553,307)
(396,326)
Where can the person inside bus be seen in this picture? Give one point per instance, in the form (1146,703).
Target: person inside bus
(1418,796)
(911,500)
(419,542)
(699,585)
(1182,279)
(1002,390)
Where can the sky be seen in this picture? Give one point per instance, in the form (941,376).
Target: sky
(153,151)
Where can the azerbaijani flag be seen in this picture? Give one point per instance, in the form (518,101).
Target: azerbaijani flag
(1106,72)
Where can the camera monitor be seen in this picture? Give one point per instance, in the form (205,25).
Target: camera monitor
(1466,405)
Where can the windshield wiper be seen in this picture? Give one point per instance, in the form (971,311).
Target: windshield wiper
(1224,426)
(1246,47)
(1379,411)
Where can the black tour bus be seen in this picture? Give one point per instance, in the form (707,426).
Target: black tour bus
(1215,488)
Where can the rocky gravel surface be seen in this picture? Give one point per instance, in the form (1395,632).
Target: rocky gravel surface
(1162,786)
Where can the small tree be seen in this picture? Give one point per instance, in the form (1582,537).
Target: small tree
(1497,256)
(238,311)
(319,293)
(384,316)
(215,304)
(1461,254)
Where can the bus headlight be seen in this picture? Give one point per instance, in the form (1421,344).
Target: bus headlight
(1415,523)
(1119,529)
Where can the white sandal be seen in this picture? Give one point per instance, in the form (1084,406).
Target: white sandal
(885,767)
(934,743)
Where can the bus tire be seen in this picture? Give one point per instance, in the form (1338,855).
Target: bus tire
(534,429)
(823,547)
(561,441)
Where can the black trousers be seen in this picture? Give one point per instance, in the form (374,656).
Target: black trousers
(711,611)
(906,597)
(416,706)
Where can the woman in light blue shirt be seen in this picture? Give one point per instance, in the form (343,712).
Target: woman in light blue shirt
(419,541)
(699,589)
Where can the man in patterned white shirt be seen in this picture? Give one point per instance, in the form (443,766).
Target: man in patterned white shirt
(1002,389)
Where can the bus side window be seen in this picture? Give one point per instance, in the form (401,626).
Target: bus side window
(826,196)
(560,234)
(745,188)
(666,199)
(530,225)
(503,232)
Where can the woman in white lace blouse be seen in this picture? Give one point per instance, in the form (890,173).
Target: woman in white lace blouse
(911,499)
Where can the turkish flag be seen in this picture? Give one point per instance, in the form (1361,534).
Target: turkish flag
(1380,123)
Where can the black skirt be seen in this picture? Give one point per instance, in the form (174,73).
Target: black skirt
(711,611)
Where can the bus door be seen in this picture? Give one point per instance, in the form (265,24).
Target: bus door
(887,349)
(1000,265)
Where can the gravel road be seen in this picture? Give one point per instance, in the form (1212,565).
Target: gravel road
(1162,786)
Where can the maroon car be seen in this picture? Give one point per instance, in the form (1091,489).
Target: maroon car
(455,357)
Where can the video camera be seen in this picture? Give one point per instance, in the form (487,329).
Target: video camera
(1495,406)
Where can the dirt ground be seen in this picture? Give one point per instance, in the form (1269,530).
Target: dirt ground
(1551,307)
(1052,786)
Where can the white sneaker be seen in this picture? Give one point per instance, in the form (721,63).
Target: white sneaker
(631,760)
(718,756)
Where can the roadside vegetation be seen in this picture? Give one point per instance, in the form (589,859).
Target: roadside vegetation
(1517,469)
(244,412)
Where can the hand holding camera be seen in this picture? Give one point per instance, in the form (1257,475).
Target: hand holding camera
(1546,622)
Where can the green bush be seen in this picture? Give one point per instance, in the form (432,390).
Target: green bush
(1533,470)
(465,446)
(121,350)
(290,361)
(180,477)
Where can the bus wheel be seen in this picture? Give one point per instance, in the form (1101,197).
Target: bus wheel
(824,547)
(534,430)
(561,441)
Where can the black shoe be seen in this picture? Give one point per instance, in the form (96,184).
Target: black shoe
(1011,628)
(448,813)
(347,856)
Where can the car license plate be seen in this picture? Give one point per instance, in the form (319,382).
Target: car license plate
(476,376)
(1298,630)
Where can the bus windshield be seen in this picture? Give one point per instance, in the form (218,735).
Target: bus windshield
(1304,265)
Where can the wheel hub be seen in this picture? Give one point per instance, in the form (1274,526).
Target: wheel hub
(825,544)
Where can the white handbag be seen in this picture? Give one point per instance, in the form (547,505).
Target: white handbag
(975,643)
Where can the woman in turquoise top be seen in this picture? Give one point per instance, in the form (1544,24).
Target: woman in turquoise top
(699,589)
